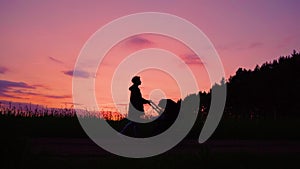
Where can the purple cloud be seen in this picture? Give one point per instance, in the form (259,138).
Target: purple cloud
(55,60)
(71,103)
(26,92)
(3,70)
(57,96)
(78,73)
(11,89)
(239,46)
(42,95)
(15,89)
(138,40)
(191,59)
(255,45)
(7,87)
(4,94)
(4,84)
(286,41)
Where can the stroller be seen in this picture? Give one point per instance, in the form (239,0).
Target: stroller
(168,111)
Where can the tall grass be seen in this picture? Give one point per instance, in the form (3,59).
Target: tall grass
(43,111)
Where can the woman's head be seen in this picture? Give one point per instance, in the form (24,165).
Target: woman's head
(136,80)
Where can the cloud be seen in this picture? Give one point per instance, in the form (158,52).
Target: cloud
(138,41)
(191,59)
(41,86)
(6,87)
(255,45)
(4,84)
(239,46)
(71,103)
(4,94)
(55,60)
(26,93)
(57,96)
(3,70)
(78,73)
(286,41)
(42,95)
(17,89)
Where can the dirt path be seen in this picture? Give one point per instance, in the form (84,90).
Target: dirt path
(86,147)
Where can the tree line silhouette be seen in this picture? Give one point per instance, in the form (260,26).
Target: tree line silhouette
(270,91)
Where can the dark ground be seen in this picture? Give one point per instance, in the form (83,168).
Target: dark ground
(83,153)
(60,143)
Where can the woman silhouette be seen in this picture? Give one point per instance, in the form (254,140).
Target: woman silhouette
(136,105)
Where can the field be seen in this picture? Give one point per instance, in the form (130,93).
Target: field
(59,142)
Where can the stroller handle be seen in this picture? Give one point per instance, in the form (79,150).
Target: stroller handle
(156,107)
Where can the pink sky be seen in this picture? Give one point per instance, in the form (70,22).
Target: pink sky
(40,41)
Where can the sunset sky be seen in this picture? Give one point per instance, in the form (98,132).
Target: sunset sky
(41,40)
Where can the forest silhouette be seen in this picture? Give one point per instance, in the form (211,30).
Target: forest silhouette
(270,91)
